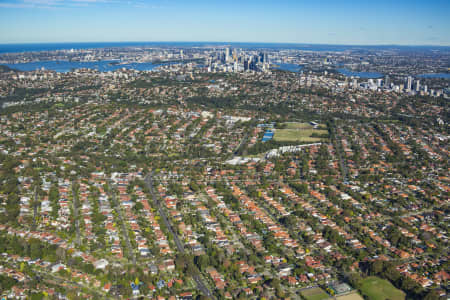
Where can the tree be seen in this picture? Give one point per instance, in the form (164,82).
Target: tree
(35,248)
(202,262)
(355,280)
(6,283)
(376,267)
(181,262)
(138,206)
(37,296)
(301,188)
(194,186)
(432,295)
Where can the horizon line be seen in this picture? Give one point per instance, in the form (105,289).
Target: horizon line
(233,42)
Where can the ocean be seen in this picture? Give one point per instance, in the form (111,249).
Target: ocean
(14,48)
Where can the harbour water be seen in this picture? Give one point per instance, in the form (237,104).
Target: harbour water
(436,75)
(349,73)
(66,66)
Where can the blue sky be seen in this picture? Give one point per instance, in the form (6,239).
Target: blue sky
(301,21)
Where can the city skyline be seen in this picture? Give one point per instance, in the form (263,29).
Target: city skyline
(298,22)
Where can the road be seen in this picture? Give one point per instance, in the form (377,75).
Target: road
(75,213)
(338,149)
(180,246)
(118,209)
(35,207)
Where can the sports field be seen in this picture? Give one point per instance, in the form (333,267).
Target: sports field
(352,296)
(294,125)
(314,294)
(300,132)
(379,289)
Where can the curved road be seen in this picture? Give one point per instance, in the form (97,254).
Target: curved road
(200,284)
(75,213)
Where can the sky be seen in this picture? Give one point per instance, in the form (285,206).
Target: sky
(364,22)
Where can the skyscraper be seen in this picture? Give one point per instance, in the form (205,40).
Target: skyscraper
(246,65)
(387,81)
(227,54)
(409,83)
(262,57)
(417,85)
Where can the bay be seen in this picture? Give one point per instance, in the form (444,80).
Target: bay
(289,67)
(349,73)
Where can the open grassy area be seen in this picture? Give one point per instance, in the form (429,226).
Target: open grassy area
(379,289)
(304,126)
(300,132)
(314,294)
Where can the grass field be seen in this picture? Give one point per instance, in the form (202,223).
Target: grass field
(379,289)
(304,126)
(300,132)
(314,294)
(352,296)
